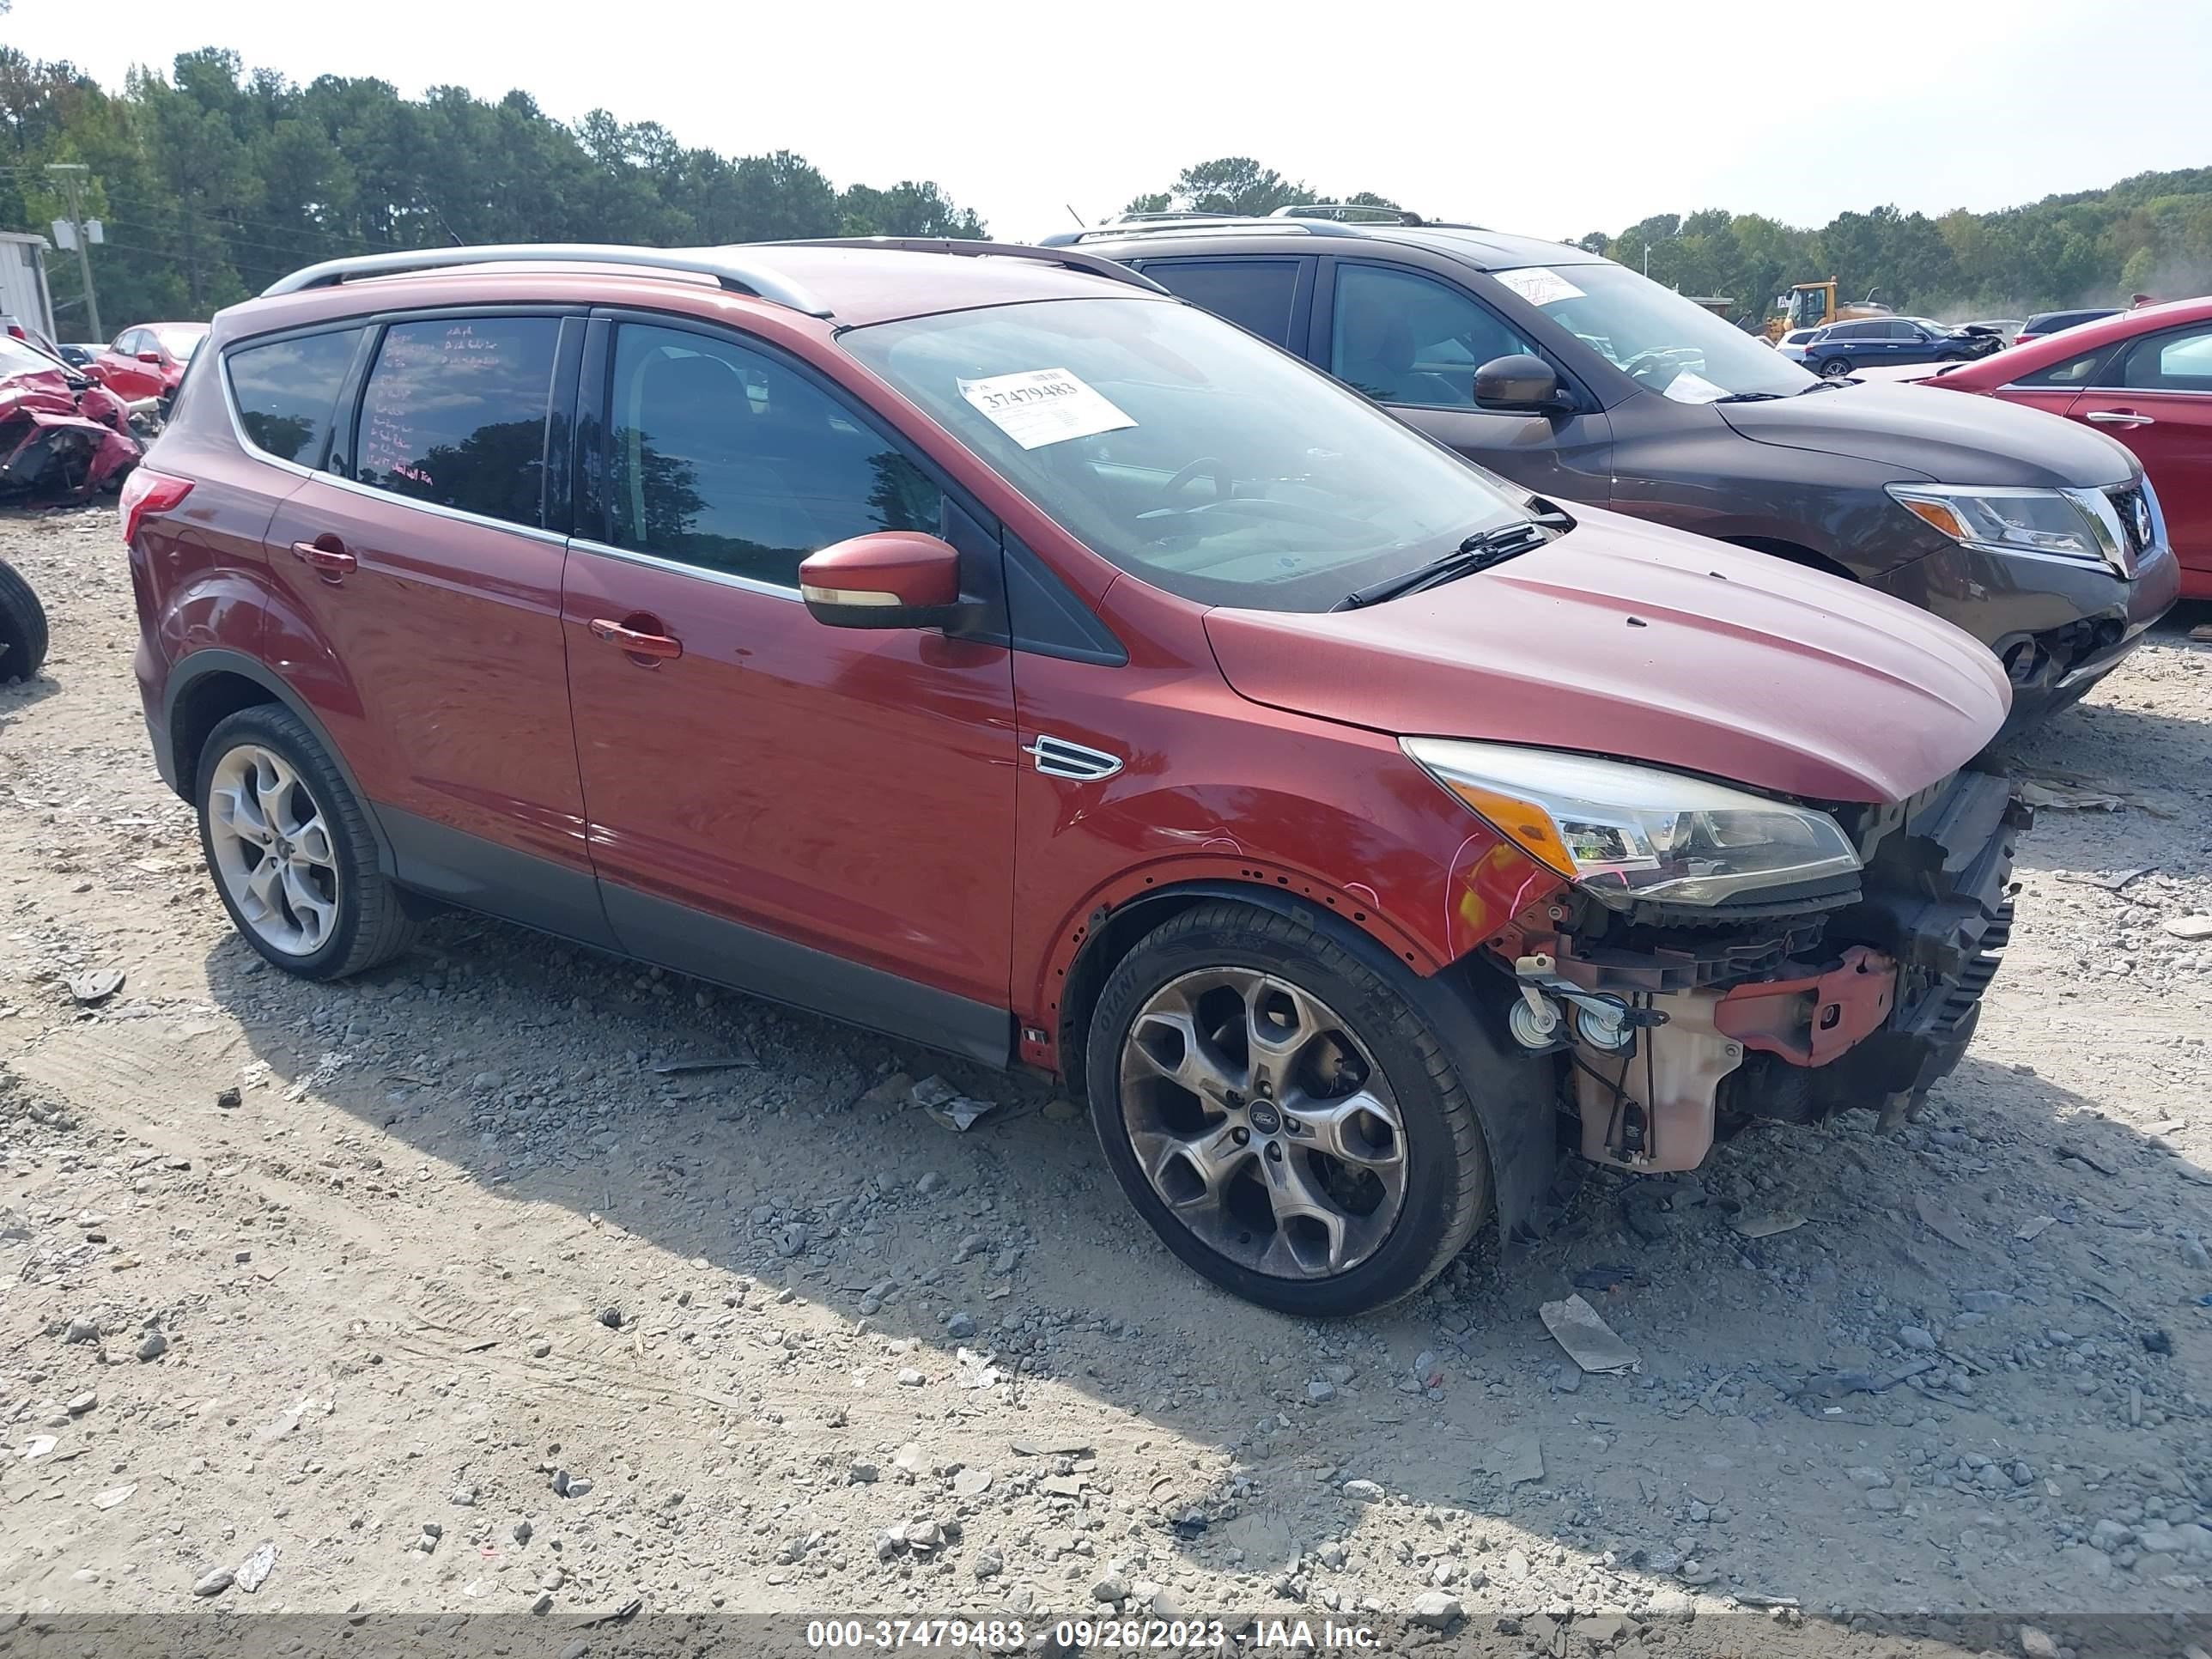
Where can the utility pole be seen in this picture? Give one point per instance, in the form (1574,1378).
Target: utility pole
(73,175)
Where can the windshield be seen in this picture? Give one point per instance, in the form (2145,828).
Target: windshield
(180,342)
(1191,455)
(1656,337)
(16,358)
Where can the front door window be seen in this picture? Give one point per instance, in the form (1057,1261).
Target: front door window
(733,460)
(1404,338)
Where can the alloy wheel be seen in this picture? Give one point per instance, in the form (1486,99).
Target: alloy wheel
(1262,1121)
(272,850)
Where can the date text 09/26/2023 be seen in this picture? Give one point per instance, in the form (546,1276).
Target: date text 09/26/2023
(1088,1634)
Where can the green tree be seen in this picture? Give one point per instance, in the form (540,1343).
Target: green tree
(214,181)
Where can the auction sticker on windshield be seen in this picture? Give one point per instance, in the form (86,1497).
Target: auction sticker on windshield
(1540,285)
(1041,406)
(1691,387)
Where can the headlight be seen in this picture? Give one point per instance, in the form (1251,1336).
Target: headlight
(1634,832)
(2077,526)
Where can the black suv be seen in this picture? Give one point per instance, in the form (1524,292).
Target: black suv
(1576,378)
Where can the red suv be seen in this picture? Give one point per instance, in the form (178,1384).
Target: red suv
(997,652)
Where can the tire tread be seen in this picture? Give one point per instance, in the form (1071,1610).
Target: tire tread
(23,626)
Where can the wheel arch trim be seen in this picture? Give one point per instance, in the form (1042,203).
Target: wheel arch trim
(1281,888)
(202,665)
(1522,1146)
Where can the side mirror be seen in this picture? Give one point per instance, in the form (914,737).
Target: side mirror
(886,579)
(1518,382)
(149,358)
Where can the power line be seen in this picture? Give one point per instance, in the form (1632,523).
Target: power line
(130,203)
(213,241)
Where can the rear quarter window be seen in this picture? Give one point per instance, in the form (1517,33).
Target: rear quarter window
(287,392)
(2170,362)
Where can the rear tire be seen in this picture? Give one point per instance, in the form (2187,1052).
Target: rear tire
(1835,366)
(290,849)
(1282,1116)
(22,627)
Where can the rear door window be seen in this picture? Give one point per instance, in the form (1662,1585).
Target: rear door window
(1258,294)
(2170,362)
(287,392)
(1402,337)
(454,414)
(731,459)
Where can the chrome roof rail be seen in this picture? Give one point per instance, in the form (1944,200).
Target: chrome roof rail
(1207,224)
(1343,211)
(728,266)
(1091,263)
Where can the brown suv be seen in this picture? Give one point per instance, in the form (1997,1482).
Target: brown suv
(1578,379)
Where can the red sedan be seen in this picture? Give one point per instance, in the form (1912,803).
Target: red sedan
(2144,376)
(149,361)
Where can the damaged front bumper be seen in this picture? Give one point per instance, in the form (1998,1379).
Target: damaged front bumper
(1672,1023)
(51,455)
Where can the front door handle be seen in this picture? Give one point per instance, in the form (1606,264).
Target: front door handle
(2118,417)
(327,554)
(642,645)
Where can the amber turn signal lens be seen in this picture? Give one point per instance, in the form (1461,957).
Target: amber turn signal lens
(1936,513)
(1530,827)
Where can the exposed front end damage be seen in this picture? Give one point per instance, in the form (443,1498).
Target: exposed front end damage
(1672,1023)
(57,449)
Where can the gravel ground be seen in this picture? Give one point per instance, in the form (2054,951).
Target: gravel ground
(439,1285)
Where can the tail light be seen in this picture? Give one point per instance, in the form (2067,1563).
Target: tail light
(148,491)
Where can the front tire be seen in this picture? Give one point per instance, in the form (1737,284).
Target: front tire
(1282,1116)
(290,850)
(22,627)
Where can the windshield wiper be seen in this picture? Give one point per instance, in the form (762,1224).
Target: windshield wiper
(1478,552)
(1748,398)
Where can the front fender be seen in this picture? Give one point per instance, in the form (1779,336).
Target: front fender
(1256,802)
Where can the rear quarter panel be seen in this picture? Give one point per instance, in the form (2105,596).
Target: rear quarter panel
(199,573)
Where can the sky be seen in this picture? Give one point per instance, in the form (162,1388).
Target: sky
(1552,119)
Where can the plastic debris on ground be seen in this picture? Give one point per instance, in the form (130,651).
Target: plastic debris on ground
(95,985)
(1588,1340)
(955,1111)
(2070,800)
(713,1063)
(257,1566)
(1765,1226)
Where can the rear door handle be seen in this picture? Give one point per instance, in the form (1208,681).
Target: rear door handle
(327,554)
(636,643)
(2118,417)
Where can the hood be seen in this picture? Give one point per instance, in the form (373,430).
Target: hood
(1632,641)
(39,388)
(1944,440)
